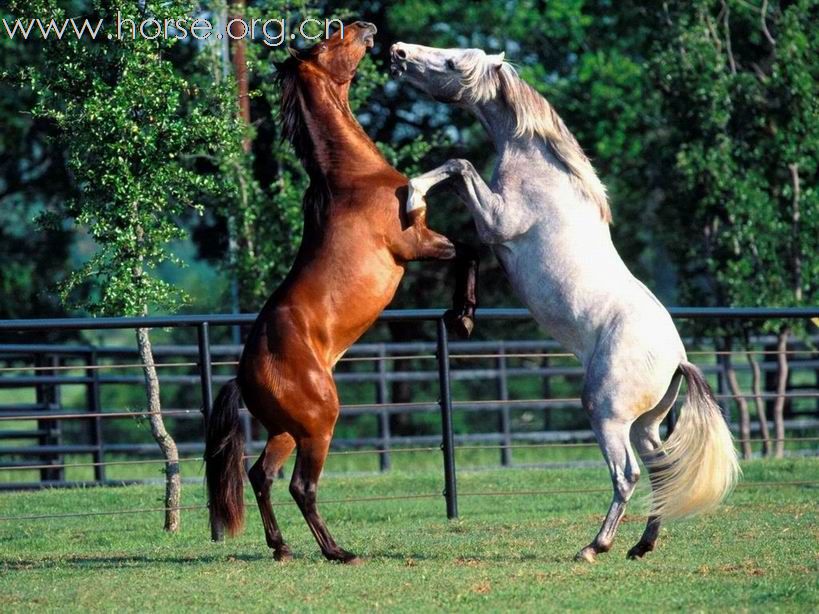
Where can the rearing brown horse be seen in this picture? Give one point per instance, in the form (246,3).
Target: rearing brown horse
(357,240)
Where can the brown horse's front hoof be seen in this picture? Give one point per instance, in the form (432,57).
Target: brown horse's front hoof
(459,324)
(343,557)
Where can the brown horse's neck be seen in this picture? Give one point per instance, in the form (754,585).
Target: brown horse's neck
(341,149)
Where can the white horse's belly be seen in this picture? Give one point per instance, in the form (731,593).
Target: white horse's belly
(577,297)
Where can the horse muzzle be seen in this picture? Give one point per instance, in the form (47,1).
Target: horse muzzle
(398,60)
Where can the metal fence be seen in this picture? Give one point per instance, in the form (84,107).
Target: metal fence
(56,365)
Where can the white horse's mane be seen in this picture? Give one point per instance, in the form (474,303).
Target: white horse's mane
(483,78)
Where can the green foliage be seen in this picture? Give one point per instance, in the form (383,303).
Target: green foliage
(133,129)
(33,180)
(696,145)
(742,115)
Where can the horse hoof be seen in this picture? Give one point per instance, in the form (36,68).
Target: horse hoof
(465,326)
(587,555)
(459,324)
(344,558)
(638,552)
(283,555)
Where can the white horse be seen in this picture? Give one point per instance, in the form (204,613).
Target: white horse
(546,216)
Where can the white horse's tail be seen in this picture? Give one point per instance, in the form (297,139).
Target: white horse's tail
(700,466)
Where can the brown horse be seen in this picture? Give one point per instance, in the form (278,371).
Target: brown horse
(358,238)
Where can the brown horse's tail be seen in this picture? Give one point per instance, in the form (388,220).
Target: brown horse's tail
(224,470)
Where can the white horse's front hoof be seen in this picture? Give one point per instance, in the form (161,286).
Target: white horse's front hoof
(587,555)
(415,198)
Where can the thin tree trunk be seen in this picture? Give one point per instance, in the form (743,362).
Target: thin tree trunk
(781,389)
(240,66)
(173,482)
(742,403)
(761,409)
(238,54)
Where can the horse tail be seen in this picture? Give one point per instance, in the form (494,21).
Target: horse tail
(224,469)
(699,466)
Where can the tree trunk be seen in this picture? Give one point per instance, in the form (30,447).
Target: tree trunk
(240,66)
(781,389)
(238,53)
(742,403)
(761,408)
(173,482)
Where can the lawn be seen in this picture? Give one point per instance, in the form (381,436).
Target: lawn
(758,552)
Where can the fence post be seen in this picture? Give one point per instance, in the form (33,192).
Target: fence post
(206,380)
(95,407)
(205,370)
(384,460)
(503,395)
(816,376)
(448,442)
(47,398)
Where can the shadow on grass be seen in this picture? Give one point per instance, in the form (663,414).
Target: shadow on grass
(106,562)
(133,561)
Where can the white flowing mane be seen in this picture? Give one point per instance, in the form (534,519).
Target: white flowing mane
(482,80)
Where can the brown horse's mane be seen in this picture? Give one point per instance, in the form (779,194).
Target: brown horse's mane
(316,202)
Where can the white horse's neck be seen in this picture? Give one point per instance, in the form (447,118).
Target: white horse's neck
(566,268)
(532,160)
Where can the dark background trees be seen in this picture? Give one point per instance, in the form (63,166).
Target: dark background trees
(701,117)
(696,116)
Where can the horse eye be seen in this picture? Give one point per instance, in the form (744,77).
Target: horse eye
(450,64)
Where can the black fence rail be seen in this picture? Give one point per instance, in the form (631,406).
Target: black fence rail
(47,368)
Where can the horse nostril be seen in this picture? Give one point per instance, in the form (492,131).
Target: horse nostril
(401,54)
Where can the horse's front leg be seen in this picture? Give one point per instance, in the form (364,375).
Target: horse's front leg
(419,242)
(494,222)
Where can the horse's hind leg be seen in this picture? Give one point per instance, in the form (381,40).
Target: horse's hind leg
(261,476)
(613,437)
(645,435)
(646,438)
(312,452)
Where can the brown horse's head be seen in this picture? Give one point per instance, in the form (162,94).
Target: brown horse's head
(339,55)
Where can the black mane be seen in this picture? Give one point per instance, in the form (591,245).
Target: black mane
(316,202)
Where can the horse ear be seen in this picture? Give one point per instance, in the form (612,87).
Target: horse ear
(497,60)
(294,53)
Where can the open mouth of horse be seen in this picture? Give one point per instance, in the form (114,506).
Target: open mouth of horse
(397,68)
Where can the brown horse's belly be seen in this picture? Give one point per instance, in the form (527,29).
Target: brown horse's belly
(333,301)
(360,300)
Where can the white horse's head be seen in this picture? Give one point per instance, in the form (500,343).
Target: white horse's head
(447,75)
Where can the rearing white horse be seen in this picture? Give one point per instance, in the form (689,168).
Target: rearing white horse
(546,216)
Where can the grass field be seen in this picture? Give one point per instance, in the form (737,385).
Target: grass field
(758,552)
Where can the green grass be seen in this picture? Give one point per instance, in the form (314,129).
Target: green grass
(758,552)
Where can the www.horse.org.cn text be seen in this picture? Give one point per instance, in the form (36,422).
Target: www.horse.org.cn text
(272,32)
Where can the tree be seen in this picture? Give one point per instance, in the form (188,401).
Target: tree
(33,179)
(741,101)
(133,131)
